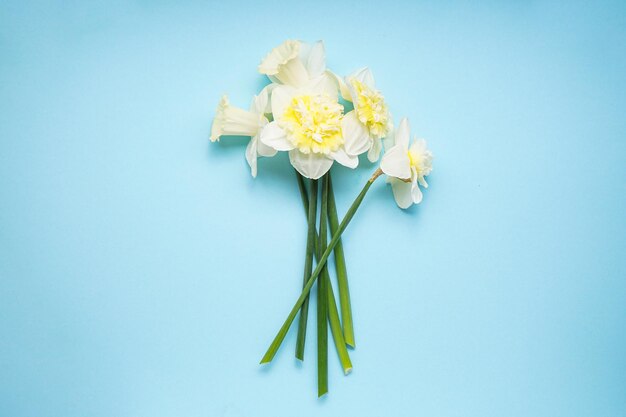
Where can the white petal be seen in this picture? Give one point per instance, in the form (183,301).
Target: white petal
(310,165)
(396,163)
(324,84)
(281,97)
(374,153)
(402,134)
(343,88)
(316,61)
(262,149)
(350,161)
(416,193)
(354,97)
(422,181)
(390,139)
(365,76)
(261,103)
(305,50)
(273,136)
(251,155)
(355,134)
(401,192)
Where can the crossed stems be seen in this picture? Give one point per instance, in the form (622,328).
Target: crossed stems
(280,336)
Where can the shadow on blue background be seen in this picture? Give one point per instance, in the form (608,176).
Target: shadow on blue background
(143,272)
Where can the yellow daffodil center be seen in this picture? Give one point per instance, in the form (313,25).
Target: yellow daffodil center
(420,159)
(415,159)
(371,109)
(313,123)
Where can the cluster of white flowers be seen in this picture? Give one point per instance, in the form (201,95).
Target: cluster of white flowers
(300,112)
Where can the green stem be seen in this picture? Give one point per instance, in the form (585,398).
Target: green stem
(304,195)
(340,267)
(333,313)
(280,336)
(322,299)
(308,262)
(335,328)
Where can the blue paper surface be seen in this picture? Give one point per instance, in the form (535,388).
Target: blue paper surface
(143,272)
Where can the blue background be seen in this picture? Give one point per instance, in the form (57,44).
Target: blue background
(144,272)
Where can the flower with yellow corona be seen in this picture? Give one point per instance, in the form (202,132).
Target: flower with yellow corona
(233,121)
(407,166)
(370,121)
(308,124)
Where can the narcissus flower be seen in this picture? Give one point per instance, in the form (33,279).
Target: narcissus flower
(407,166)
(233,121)
(308,124)
(370,120)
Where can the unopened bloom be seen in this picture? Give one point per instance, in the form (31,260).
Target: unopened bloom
(407,166)
(234,121)
(370,120)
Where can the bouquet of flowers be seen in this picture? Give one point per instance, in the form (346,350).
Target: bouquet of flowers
(321,118)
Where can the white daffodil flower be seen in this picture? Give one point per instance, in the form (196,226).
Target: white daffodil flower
(370,120)
(407,166)
(295,63)
(233,121)
(308,124)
